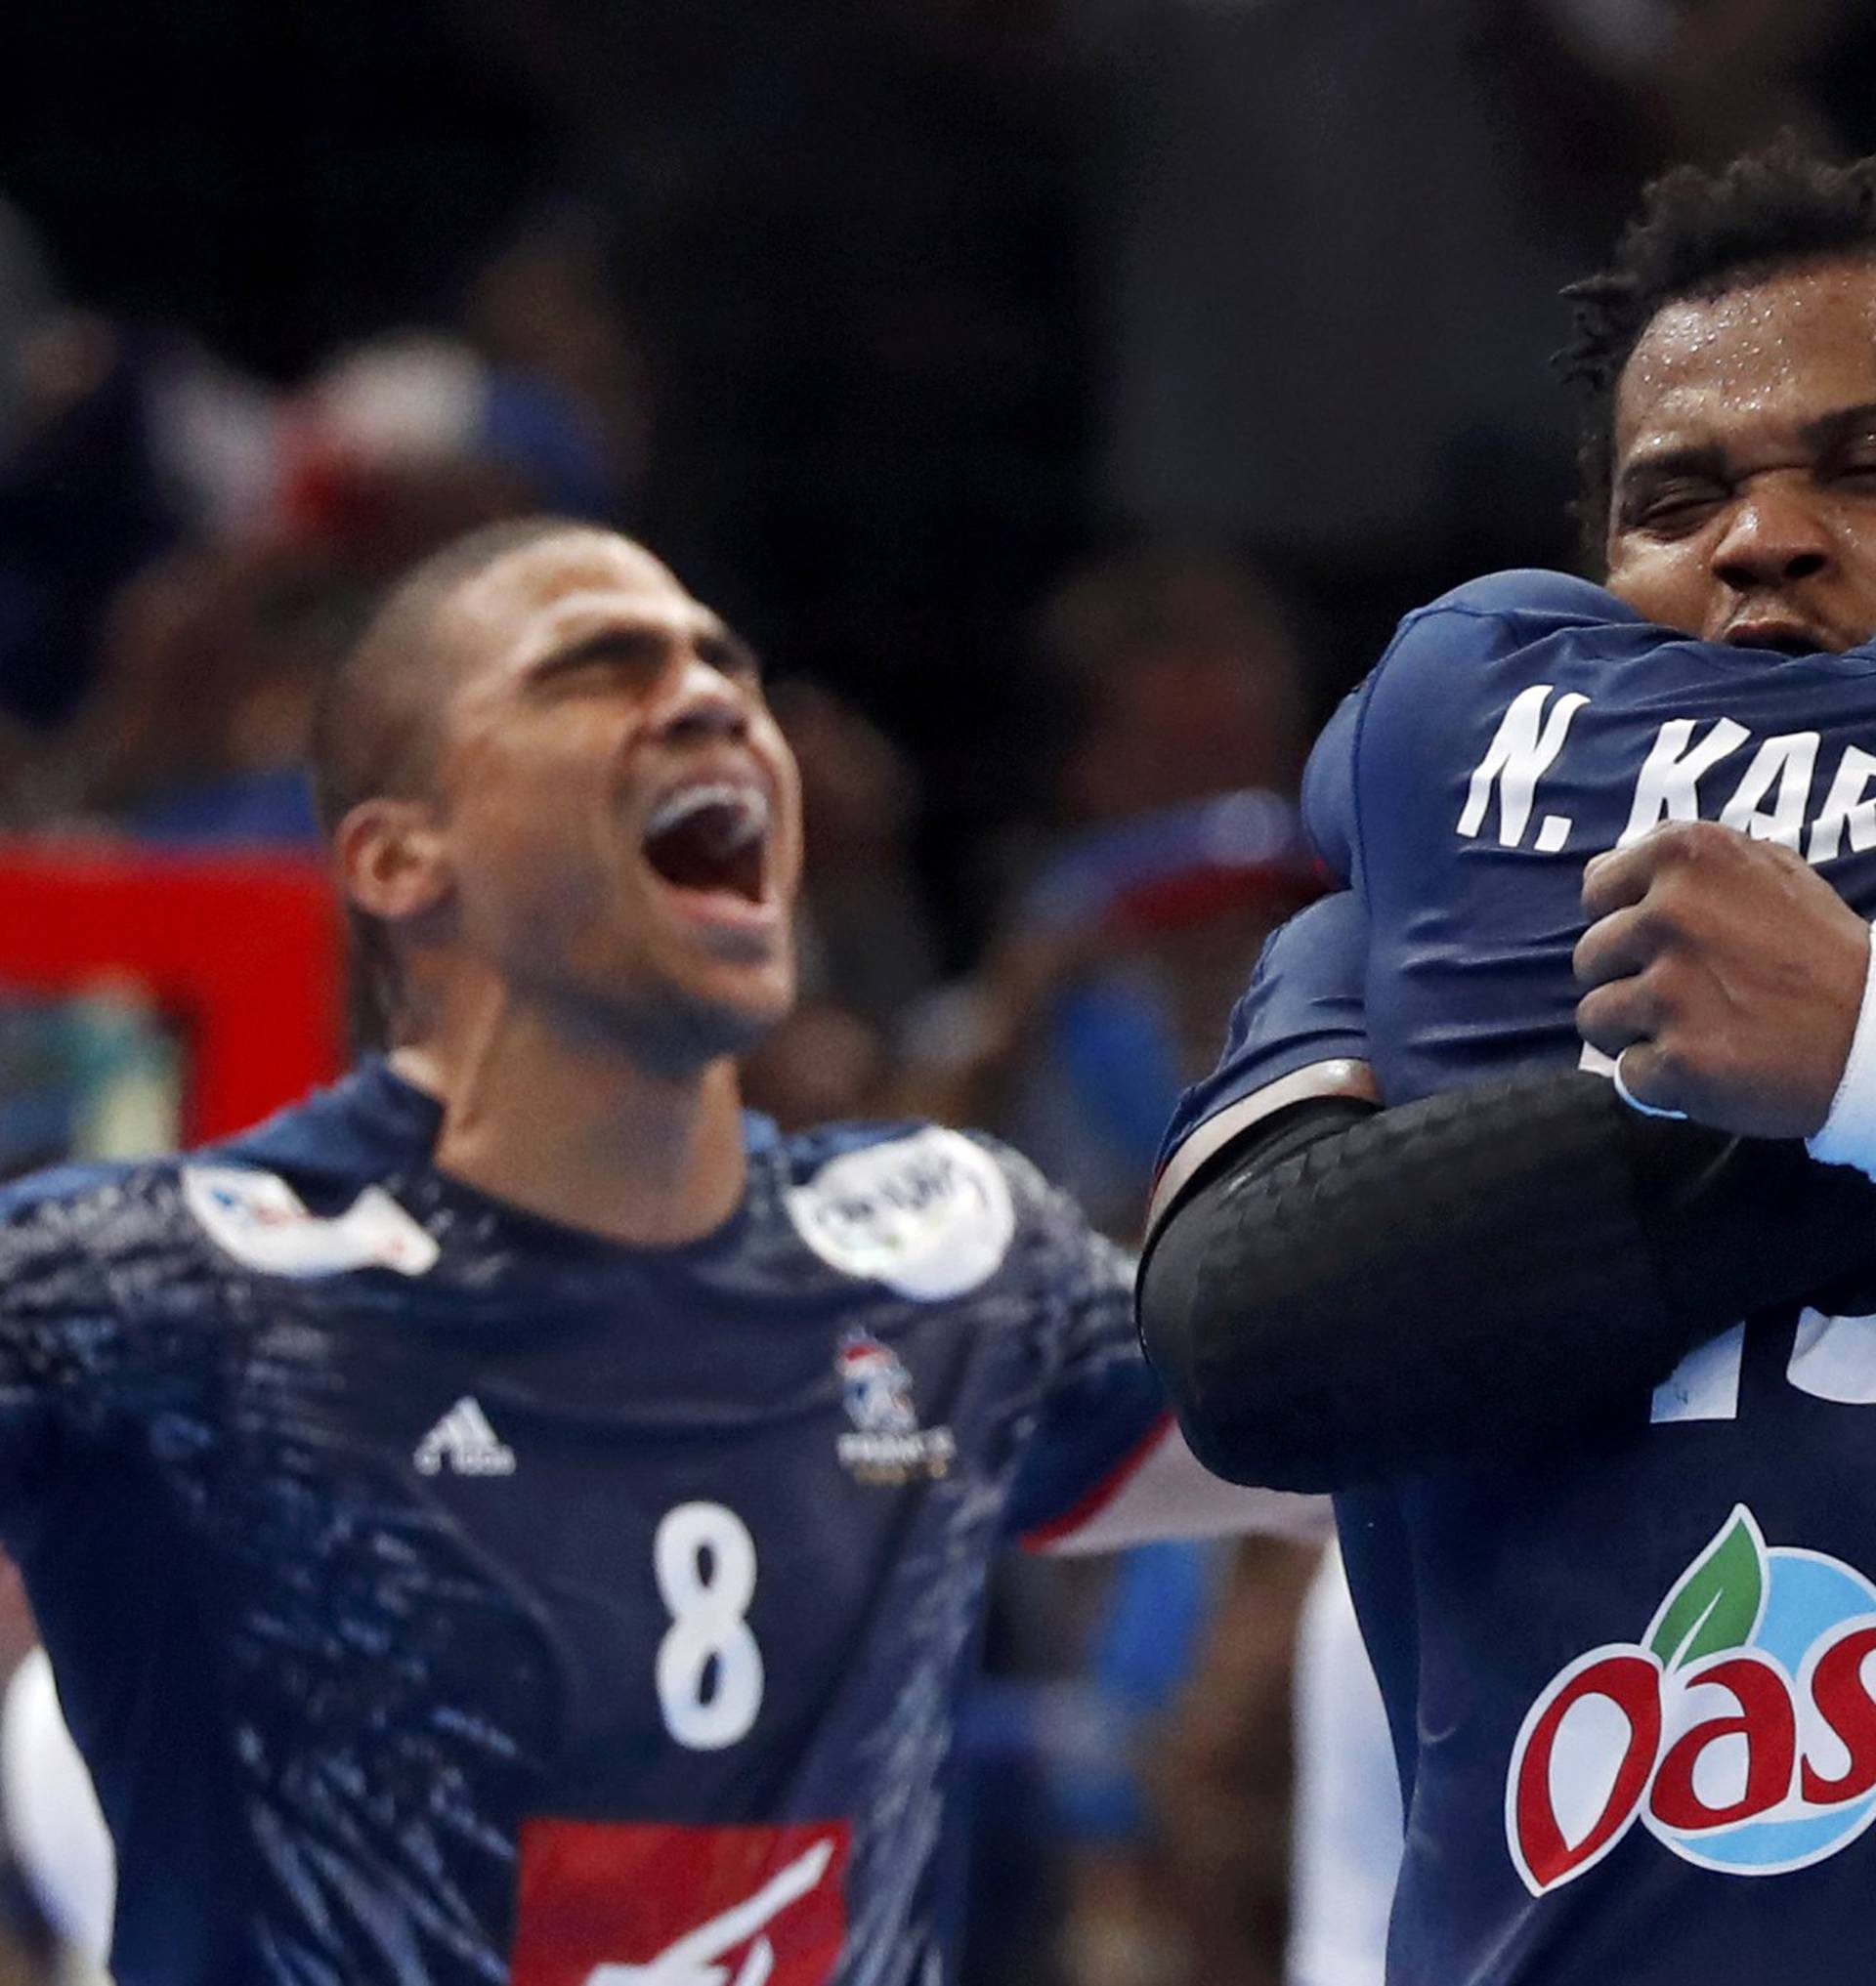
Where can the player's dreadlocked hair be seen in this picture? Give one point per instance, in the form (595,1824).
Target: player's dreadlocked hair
(1701,234)
(374,731)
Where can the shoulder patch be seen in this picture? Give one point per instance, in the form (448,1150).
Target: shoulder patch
(929,1216)
(261,1222)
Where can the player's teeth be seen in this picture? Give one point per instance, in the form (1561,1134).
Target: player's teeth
(747,807)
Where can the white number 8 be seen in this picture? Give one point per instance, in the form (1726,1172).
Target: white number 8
(705,1559)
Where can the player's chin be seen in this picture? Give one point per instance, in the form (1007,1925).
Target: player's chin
(735,997)
(727,954)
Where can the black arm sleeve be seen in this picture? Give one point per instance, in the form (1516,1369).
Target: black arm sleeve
(1348,1295)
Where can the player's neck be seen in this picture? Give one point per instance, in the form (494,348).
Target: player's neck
(581,1133)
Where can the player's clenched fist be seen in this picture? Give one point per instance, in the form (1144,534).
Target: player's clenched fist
(1725,974)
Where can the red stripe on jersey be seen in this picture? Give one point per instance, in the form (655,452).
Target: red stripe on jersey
(1092,1503)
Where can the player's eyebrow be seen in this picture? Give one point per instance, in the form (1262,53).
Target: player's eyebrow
(1642,472)
(1830,430)
(649,642)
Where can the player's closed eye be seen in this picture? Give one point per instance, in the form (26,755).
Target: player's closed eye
(632,653)
(1674,510)
(730,655)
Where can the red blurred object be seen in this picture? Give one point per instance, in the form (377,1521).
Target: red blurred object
(245,952)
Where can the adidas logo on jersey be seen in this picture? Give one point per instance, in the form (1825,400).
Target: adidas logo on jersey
(464,1442)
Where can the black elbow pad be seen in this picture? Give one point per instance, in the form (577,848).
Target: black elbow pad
(1397,1294)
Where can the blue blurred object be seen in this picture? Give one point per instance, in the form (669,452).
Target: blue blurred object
(1180,864)
(271,808)
(1114,1038)
(1144,1649)
(533,427)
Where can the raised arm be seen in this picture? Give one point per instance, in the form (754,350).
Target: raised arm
(1335,1293)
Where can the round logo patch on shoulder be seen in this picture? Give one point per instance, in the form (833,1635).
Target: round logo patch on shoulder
(929,1216)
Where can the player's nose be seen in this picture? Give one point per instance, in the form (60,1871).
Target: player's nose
(1776,534)
(699,701)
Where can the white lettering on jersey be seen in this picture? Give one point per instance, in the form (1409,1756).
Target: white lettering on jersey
(1770,802)
(1524,748)
(1669,788)
(464,1441)
(1846,810)
(261,1222)
(694,1960)
(1786,763)
(929,1216)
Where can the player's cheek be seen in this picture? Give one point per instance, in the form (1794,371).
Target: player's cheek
(1665,582)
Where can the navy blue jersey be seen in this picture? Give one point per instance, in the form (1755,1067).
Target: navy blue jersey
(439,1594)
(1631,1688)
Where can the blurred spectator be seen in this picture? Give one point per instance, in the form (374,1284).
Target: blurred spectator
(1222,1781)
(28,300)
(867,949)
(208,659)
(1120,1929)
(1176,852)
(866,939)
(400,444)
(1178,1822)
(824,1064)
(81,496)
(546,305)
(1335,243)
(1188,679)
(279,178)
(211,661)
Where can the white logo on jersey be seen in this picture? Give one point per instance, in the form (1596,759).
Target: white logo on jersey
(260,1220)
(887,1444)
(464,1439)
(929,1216)
(693,1959)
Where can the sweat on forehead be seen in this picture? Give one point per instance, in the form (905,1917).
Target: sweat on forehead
(1792,347)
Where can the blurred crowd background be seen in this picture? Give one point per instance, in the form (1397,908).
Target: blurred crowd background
(1065,396)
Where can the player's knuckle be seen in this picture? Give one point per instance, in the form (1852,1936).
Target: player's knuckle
(1677,843)
(1657,921)
(1669,985)
(1674,1066)
(1705,842)
(1604,1018)
(1593,1017)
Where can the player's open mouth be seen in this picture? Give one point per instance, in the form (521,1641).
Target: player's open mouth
(711,840)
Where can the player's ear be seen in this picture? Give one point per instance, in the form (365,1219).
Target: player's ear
(392,859)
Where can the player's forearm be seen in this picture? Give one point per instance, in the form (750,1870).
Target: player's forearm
(1469,1275)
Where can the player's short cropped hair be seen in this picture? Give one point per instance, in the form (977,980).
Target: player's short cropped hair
(375,730)
(1700,235)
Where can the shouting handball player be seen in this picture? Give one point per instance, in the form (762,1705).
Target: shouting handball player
(1614,1548)
(512,1517)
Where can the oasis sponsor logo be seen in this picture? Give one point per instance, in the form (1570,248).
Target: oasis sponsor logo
(1740,1731)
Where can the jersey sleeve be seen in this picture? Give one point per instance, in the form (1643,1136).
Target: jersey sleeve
(1100,1408)
(1105,1465)
(1302,1009)
(1329,788)
(72,1363)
